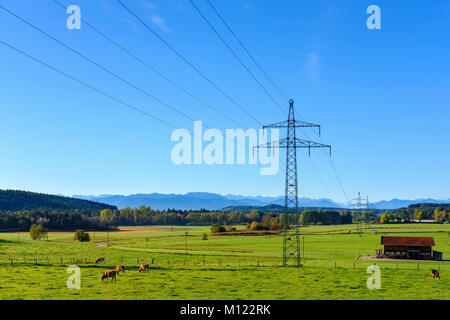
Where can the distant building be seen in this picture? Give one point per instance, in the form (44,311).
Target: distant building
(410,248)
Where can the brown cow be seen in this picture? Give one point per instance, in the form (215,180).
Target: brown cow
(98,260)
(104,276)
(109,274)
(120,268)
(144,267)
(435,274)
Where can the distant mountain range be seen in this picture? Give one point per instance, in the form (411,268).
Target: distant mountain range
(213,201)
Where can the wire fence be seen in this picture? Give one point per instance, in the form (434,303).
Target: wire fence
(206,262)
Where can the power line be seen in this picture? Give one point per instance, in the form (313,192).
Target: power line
(266,75)
(339,180)
(153,69)
(320,177)
(279,90)
(99,65)
(236,56)
(88,85)
(330,159)
(93,87)
(188,62)
(275,86)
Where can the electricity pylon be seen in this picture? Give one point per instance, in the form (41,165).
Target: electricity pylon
(359,207)
(291,239)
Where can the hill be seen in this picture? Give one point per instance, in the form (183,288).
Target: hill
(13,200)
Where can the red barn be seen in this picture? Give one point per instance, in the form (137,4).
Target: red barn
(408,247)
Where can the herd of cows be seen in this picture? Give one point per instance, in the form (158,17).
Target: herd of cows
(121,268)
(146,267)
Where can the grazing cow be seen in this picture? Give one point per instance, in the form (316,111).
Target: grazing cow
(120,268)
(112,274)
(435,274)
(98,260)
(109,274)
(144,267)
(104,276)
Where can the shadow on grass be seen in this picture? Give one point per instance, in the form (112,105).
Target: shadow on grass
(8,241)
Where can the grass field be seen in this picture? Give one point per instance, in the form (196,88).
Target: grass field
(222,267)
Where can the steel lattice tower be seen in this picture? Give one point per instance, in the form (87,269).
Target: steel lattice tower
(291,237)
(359,208)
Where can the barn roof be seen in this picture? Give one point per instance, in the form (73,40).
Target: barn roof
(408,241)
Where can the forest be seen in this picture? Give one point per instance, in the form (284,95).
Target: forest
(440,213)
(14,200)
(109,219)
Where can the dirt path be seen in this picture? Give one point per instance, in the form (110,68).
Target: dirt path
(372,258)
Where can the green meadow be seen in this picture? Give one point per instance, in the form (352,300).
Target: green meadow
(185,266)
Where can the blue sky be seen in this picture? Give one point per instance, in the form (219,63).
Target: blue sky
(381,96)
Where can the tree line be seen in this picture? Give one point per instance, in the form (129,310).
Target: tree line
(14,200)
(109,218)
(438,213)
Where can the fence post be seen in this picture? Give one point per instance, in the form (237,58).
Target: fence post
(11,261)
(335,264)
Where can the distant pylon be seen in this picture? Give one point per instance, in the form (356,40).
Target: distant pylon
(359,208)
(291,240)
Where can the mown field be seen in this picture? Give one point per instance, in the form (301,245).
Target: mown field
(221,267)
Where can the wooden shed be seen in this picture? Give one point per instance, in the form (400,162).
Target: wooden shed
(408,247)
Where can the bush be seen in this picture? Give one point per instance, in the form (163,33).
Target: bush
(218,228)
(204,236)
(38,232)
(275,226)
(81,236)
(231,229)
(255,226)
